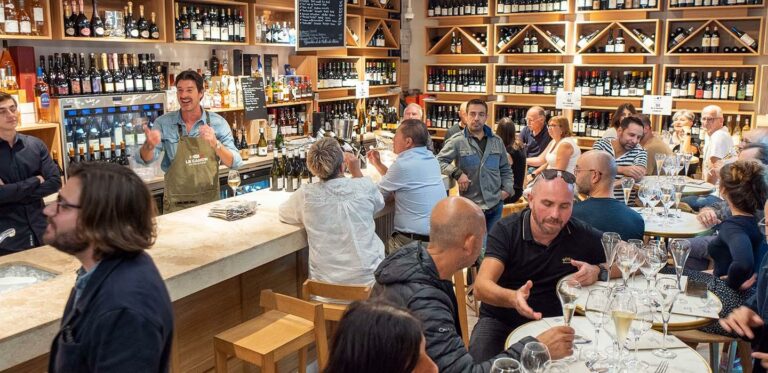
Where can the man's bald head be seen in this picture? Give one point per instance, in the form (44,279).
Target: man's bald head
(595,172)
(453,220)
(602,161)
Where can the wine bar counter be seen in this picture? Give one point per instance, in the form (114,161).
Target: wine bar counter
(214,271)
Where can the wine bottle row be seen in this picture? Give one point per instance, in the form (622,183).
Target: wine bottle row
(274,33)
(68,75)
(446,8)
(531,44)
(380,114)
(287,88)
(77,24)
(457,41)
(710,41)
(286,121)
(443,115)
(611,83)
(530,6)
(591,123)
(211,23)
(378,39)
(382,72)
(591,5)
(529,81)
(337,74)
(290,171)
(16,20)
(725,86)
(464,80)
(112,154)
(698,3)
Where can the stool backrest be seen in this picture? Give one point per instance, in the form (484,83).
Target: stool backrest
(309,311)
(348,293)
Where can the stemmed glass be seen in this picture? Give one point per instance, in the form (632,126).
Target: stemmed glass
(680,163)
(627,184)
(610,240)
(670,163)
(680,248)
(667,198)
(641,325)
(668,290)
(595,310)
(644,194)
(568,291)
(679,184)
(505,365)
(626,256)
(687,161)
(534,357)
(623,308)
(660,158)
(638,244)
(654,198)
(654,259)
(233,180)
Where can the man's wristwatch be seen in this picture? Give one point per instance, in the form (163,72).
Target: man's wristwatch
(603,275)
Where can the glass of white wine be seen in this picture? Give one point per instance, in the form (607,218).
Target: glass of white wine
(627,184)
(659,158)
(668,290)
(568,291)
(233,180)
(623,310)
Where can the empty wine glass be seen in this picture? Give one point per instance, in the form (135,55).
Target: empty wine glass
(680,249)
(627,184)
(568,291)
(640,325)
(654,259)
(505,365)
(626,256)
(670,164)
(668,290)
(556,367)
(687,161)
(659,157)
(679,184)
(667,198)
(596,312)
(610,240)
(233,180)
(644,194)
(534,357)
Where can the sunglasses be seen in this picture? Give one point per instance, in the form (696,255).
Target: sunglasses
(550,174)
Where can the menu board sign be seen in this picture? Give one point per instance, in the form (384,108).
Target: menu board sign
(253,98)
(320,24)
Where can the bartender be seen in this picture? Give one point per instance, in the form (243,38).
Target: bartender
(194,141)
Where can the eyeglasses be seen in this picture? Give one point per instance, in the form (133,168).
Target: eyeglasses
(553,126)
(703,119)
(65,205)
(551,173)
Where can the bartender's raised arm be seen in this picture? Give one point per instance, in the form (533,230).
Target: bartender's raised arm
(227,152)
(151,147)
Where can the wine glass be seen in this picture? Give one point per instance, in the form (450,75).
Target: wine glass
(641,325)
(623,309)
(595,311)
(626,255)
(680,249)
(670,163)
(660,158)
(534,357)
(654,259)
(654,197)
(505,365)
(627,184)
(644,193)
(568,291)
(687,161)
(233,180)
(667,198)
(638,244)
(679,184)
(556,367)
(668,290)
(610,240)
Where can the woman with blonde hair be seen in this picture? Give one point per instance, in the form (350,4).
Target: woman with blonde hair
(563,151)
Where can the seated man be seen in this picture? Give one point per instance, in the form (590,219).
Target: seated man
(337,213)
(413,111)
(540,246)
(631,158)
(418,278)
(414,181)
(595,172)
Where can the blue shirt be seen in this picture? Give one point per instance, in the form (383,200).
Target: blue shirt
(82,280)
(417,183)
(610,215)
(169,123)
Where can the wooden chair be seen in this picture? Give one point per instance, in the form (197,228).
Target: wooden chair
(288,325)
(694,337)
(516,207)
(460,284)
(334,311)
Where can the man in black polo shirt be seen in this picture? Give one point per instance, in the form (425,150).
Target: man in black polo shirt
(530,252)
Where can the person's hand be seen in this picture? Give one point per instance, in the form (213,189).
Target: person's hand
(353,164)
(374,157)
(463,183)
(42,179)
(521,302)
(559,341)
(708,217)
(207,134)
(504,195)
(748,284)
(741,321)
(153,137)
(634,172)
(586,274)
(763,357)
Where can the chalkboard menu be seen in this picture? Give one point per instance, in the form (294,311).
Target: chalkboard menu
(321,24)
(253,98)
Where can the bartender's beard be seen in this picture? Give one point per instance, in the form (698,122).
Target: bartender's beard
(67,242)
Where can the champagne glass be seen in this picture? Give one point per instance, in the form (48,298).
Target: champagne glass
(644,193)
(680,163)
(687,161)
(610,240)
(654,259)
(556,367)
(667,198)
(680,249)
(668,290)
(568,291)
(626,255)
(627,184)
(596,312)
(623,309)
(638,244)
(534,357)
(640,325)
(669,164)
(679,184)
(659,157)
(505,365)
(654,197)
(233,180)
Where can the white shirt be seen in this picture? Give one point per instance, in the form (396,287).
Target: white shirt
(718,145)
(551,155)
(338,217)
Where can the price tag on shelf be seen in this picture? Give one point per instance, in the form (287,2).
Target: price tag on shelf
(657,105)
(361,89)
(568,100)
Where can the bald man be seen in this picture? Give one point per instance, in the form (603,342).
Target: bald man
(456,128)
(595,172)
(418,278)
(531,251)
(413,111)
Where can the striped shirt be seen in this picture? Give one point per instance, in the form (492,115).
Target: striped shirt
(637,156)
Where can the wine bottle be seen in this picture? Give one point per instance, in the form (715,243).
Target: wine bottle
(106,74)
(131,29)
(83,25)
(117,75)
(276,173)
(11,25)
(744,37)
(142,25)
(97,24)
(25,21)
(96,82)
(262,144)
(154,30)
(38,18)
(69,23)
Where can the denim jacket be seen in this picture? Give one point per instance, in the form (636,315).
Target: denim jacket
(489,172)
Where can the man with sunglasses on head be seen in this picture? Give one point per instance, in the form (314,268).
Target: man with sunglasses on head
(27,174)
(539,245)
(481,170)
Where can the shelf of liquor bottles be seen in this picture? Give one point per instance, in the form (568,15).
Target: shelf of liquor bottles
(708,37)
(382,72)
(534,83)
(381,33)
(331,74)
(457,9)
(713,4)
(441,114)
(467,41)
(383,110)
(457,79)
(219,22)
(140,21)
(530,38)
(273,24)
(594,7)
(31,20)
(693,87)
(618,38)
(526,7)
(609,84)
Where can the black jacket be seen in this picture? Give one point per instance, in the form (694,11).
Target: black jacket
(122,322)
(21,195)
(410,279)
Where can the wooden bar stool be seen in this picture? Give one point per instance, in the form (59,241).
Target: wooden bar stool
(288,325)
(334,311)
(714,341)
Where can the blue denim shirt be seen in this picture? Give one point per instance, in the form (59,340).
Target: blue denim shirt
(169,123)
(82,280)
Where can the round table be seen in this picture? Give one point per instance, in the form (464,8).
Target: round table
(687,360)
(685,227)
(693,187)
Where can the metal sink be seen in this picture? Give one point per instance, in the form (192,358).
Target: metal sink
(17,275)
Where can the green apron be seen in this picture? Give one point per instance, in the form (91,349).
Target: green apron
(193,178)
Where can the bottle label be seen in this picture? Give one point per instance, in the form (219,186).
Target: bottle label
(156,35)
(37,14)
(26,27)
(145,34)
(134,33)
(11,27)
(99,31)
(70,31)
(45,100)
(85,31)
